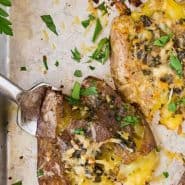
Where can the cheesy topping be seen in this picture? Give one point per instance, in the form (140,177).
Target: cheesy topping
(94,163)
(156,37)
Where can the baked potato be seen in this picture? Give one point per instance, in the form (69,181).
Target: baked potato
(97,139)
(147,60)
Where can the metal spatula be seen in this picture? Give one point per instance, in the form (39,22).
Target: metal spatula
(28,101)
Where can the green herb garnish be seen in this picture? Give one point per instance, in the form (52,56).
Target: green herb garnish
(76,55)
(101,54)
(86,22)
(176,65)
(158,149)
(78,73)
(92,68)
(98,30)
(129,120)
(48,20)
(45,62)
(40,173)
(166,174)
(79,131)
(76,91)
(23,68)
(57,63)
(17,183)
(3,13)
(181,101)
(118,118)
(5,2)
(5,24)
(162,41)
(103,8)
(88,91)
(172,107)
(72,101)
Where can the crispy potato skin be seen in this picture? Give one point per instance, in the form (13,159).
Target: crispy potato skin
(52,143)
(127,70)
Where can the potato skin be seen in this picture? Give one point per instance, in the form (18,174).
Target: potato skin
(53,143)
(125,71)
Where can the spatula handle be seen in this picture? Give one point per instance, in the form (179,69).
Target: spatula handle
(9,89)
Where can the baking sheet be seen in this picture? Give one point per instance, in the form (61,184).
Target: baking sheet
(31,41)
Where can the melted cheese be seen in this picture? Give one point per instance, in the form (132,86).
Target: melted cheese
(140,171)
(137,173)
(172,9)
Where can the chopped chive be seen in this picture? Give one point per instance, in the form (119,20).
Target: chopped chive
(78,73)
(23,68)
(98,30)
(76,91)
(45,62)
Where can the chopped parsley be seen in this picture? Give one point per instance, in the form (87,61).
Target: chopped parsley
(45,62)
(86,22)
(23,68)
(92,68)
(40,173)
(5,2)
(5,24)
(79,131)
(78,73)
(57,63)
(72,101)
(118,118)
(76,55)
(176,65)
(157,149)
(98,30)
(88,91)
(48,20)
(103,8)
(76,91)
(3,13)
(101,54)
(172,107)
(129,120)
(162,41)
(166,174)
(181,101)
(17,183)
